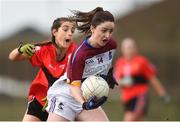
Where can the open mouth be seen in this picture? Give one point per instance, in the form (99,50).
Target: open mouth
(104,40)
(67,40)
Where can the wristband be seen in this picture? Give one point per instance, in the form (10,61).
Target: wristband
(19,47)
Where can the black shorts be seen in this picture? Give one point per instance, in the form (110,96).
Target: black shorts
(138,104)
(35,108)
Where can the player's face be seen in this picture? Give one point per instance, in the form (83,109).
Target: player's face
(128,48)
(102,33)
(64,34)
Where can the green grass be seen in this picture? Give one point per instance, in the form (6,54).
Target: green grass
(114,110)
(14,108)
(158,110)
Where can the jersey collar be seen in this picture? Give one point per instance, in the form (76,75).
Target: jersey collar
(86,42)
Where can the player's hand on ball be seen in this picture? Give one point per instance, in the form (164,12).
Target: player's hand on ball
(89,104)
(27,49)
(100,101)
(93,103)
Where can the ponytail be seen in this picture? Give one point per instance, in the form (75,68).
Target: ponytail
(42,43)
(94,18)
(86,18)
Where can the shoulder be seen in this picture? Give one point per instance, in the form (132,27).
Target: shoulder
(120,60)
(142,59)
(80,48)
(78,52)
(44,48)
(112,42)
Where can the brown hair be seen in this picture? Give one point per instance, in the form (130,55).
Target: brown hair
(94,18)
(57,23)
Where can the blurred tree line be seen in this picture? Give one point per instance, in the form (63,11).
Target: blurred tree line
(156,30)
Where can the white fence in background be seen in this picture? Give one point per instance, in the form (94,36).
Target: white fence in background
(14,88)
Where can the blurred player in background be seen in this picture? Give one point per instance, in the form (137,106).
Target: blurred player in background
(51,57)
(92,57)
(134,73)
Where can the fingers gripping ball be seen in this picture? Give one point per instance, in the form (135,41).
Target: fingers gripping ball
(94,86)
(27,49)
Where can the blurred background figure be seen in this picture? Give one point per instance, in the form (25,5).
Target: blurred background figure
(135,73)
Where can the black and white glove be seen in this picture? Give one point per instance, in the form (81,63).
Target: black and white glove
(94,103)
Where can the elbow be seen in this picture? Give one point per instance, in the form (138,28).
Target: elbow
(13,55)
(11,58)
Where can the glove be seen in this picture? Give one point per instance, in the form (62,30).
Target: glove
(166,98)
(26,49)
(45,105)
(110,79)
(93,103)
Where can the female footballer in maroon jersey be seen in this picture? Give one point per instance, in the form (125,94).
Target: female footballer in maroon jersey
(134,73)
(92,57)
(51,57)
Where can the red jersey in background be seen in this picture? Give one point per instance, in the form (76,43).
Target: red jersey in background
(133,75)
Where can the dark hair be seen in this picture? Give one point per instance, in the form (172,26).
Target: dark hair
(94,18)
(57,23)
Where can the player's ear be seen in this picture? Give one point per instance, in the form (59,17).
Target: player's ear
(54,31)
(92,29)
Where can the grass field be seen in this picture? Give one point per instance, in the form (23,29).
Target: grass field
(14,108)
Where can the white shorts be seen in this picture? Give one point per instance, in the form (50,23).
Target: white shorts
(61,102)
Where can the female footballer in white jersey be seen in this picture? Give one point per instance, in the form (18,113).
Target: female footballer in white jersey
(92,57)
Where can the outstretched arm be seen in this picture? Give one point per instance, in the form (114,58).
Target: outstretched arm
(23,52)
(16,56)
(157,86)
(160,89)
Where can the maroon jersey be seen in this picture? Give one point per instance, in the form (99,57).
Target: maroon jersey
(87,60)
